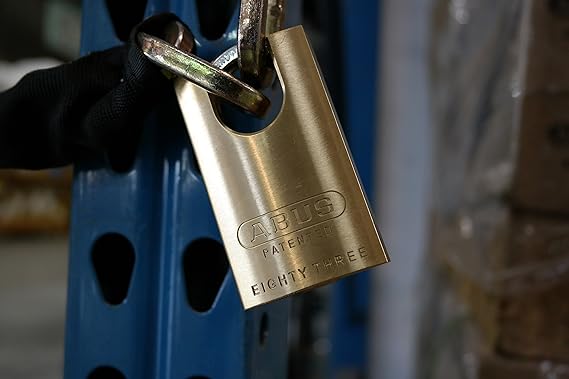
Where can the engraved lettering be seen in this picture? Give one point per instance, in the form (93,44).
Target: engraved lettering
(351,256)
(282,279)
(307,214)
(289,245)
(258,231)
(337,263)
(291,274)
(279,222)
(339,259)
(324,206)
(291,218)
(318,232)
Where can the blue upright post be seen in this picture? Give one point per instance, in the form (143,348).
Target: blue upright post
(350,297)
(148,295)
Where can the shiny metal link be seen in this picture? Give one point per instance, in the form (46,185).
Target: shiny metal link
(227,60)
(275,16)
(204,74)
(257,19)
(180,36)
(251,39)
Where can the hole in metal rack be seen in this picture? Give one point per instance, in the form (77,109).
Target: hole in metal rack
(214,17)
(205,266)
(263,329)
(113,259)
(106,372)
(125,15)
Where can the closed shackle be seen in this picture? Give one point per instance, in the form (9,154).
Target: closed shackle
(175,55)
(257,19)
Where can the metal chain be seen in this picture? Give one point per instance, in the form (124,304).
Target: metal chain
(200,72)
(257,19)
(275,16)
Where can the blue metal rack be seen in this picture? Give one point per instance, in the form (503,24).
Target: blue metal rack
(350,298)
(155,212)
(130,312)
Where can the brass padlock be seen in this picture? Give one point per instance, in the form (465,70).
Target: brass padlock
(287,199)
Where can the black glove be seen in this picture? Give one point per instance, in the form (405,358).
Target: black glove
(56,116)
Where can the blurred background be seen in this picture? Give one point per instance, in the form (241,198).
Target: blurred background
(470,189)
(34,206)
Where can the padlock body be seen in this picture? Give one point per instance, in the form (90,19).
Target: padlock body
(287,199)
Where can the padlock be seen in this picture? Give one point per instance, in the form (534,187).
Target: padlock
(287,199)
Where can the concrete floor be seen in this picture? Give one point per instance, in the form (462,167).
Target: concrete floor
(33,280)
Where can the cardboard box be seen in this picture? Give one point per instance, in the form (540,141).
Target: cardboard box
(541,178)
(34,201)
(524,311)
(545,32)
(498,367)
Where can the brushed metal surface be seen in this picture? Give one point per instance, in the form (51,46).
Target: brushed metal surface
(287,199)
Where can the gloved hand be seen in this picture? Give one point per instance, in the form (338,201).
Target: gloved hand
(56,116)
